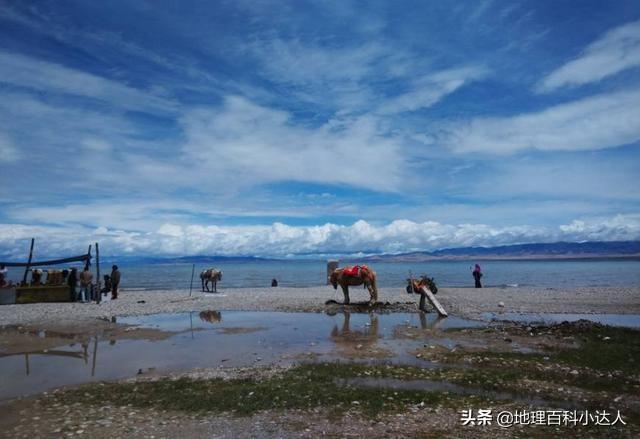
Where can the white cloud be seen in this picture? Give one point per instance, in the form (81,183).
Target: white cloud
(615,51)
(347,79)
(430,88)
(247,143)
(280,239)
(297,63)
(95,144)
(24,71)
(8,151)
(620,227)
(603,121)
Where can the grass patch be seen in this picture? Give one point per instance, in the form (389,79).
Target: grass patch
(304,387)
(605,348)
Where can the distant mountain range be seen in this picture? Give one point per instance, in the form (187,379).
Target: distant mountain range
(198,259)
(555,250)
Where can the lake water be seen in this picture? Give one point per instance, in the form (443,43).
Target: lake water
(229,339)
(543,273)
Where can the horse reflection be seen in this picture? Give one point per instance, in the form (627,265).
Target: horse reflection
(210,316)
(347,339)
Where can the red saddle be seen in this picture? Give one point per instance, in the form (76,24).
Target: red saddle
(353,271)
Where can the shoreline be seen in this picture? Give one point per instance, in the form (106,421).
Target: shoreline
(462,302)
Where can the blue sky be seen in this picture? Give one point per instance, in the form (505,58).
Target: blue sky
(277,128)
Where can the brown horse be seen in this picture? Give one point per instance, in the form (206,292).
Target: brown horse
(366,276)
(210,275)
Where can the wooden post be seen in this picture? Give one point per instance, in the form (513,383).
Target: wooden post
(433,300)
(98,283)
(193,270)
(26,270)
(191,320)
(87,263)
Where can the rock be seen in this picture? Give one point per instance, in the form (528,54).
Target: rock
(574,372)
(501,304)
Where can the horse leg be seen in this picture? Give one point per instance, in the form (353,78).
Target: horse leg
(345,291)
(215,286)
(202,282)
(372,296)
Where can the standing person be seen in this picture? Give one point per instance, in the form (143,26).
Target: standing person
(477,274)
(107,284)
(72,280)
(3,275)
(86,279)
(115,282)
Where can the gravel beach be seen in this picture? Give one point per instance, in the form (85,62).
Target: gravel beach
(463,302)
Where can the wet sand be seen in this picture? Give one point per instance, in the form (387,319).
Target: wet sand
(463,302)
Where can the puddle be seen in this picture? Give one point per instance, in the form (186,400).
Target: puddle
(444,386)
(623,320)
(230,339)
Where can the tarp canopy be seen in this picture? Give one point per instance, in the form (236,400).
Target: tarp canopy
(81,258)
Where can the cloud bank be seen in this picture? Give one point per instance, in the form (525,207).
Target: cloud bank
(282,240)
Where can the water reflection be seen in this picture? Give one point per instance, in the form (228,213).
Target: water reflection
(367,336)
(437,323)
(175,342)
(81,354)
(211,316)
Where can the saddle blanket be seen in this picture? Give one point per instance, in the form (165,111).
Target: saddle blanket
(354,271)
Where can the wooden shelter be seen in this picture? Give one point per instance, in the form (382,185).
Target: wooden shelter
(54,289)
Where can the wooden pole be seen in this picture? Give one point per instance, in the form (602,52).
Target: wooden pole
(429,295)
(98,293)
(193,270)
(87,263)
(26,270)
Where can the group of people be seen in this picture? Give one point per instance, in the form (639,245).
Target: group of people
(87,291)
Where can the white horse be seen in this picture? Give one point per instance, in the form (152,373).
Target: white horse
(212,275)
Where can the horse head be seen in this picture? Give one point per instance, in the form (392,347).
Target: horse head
(333,279)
